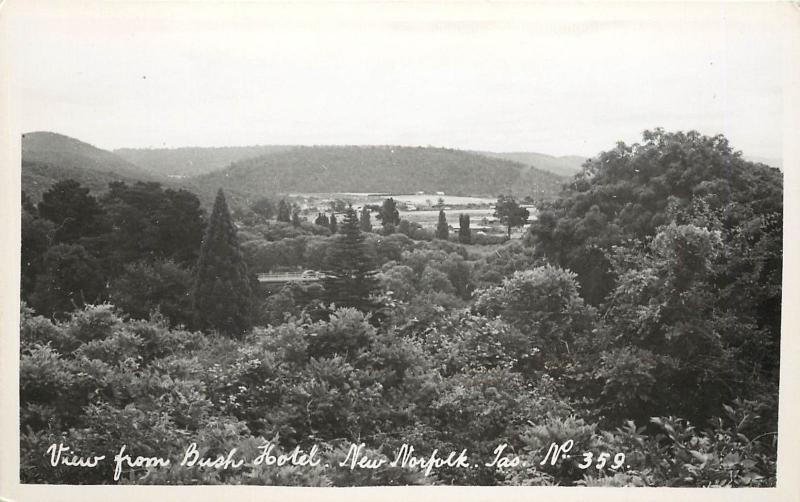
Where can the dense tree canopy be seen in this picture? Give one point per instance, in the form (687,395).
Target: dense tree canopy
(628,192)
(37,234)
(148,287)
(129,224)
(74,212)
(71,277)
(151,222)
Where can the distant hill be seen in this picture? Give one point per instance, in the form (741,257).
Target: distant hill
(37,178)
(566,166)
(49,157)
(192,161)
(248,172)
(381,169)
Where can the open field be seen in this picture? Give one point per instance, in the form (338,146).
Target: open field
(419,200)
(419,208)
(428,218)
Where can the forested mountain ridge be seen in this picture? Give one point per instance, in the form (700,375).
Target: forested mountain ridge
(59,150)
(251,171)
(196,161)
(382,169)
(49,157)
(193,161)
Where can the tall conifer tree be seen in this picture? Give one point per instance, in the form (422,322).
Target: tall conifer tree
(442,229)
(350,276)
(222,296)
(366,221)
(464,233)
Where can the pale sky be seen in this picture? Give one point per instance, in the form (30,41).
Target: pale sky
(492,76)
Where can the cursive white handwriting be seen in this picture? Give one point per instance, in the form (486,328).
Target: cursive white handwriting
(135,463)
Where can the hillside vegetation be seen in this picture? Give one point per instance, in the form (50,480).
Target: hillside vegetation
(567,165)
(382,169)
(249,172)
(48,157)
(193,161)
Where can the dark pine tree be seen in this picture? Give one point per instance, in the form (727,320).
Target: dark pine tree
(464,233)
(350,276)
(333,225)
(296,218)
(222,296)
(442,229)
(366,221)
(284,211)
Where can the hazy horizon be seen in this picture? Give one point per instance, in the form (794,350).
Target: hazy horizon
(556,80)
(773,161)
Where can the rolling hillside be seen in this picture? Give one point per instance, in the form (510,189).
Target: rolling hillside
(381,169)
(562,166)
(192,161)
(49,157)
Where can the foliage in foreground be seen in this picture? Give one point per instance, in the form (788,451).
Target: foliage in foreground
(97,381)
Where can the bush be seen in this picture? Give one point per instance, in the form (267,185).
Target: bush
(162,286)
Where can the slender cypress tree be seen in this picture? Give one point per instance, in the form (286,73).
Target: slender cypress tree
(296,218)
(350,276)
(333,225)
(442,229)
(366,221)
(222,296)
(464,233)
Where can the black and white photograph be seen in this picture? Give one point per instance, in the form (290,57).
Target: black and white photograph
(390,244)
